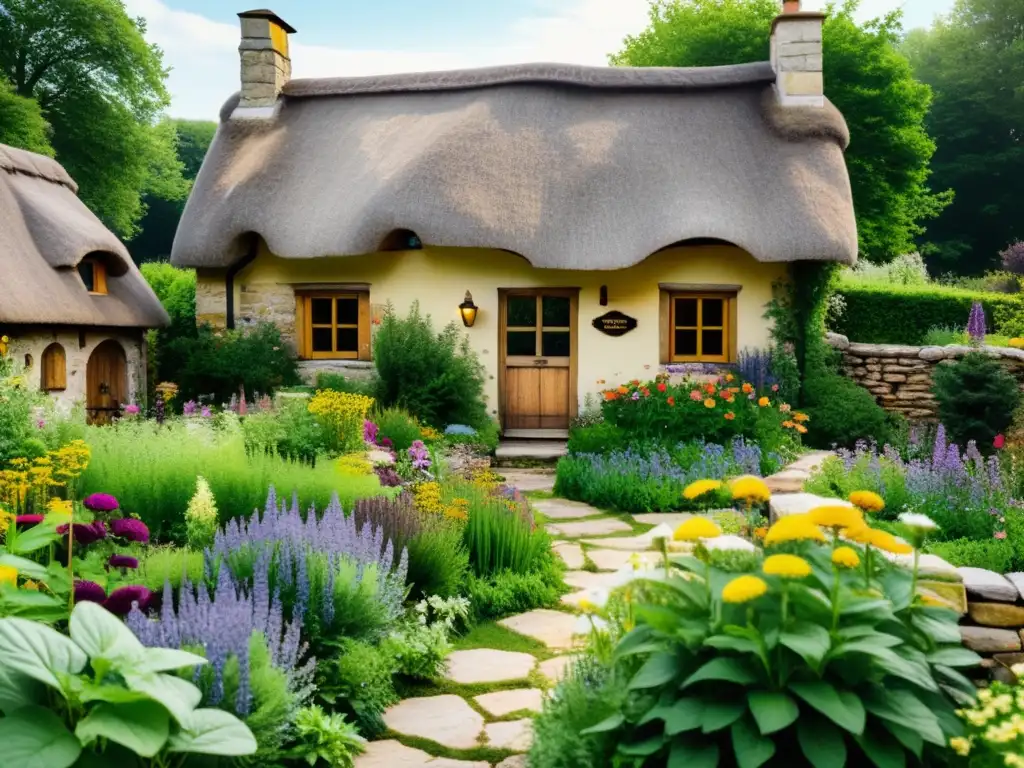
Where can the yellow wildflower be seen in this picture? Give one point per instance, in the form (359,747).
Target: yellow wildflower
(867,500)
(798,417)
(887,542)
(427,498)
(700,487)
(764,402)
(709,403)
(31,586)
(794,528)
(836,516)
(8,575)
(751,489)
(743,589)
(960,745)
(787,566)
(697,528)
(846,557)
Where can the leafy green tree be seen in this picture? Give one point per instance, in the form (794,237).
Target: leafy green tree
(973,59)
(866,77)
(22,123)
(100,86)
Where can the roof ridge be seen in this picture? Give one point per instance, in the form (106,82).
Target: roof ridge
(15,160)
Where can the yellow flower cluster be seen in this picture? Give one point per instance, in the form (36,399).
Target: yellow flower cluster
(695,529)
(867,501)
(8,576)
(998,720)
(845,557)
(743,589)
(750,489)
(429,435)
(341,412)
(427,498)
(354,465)
(698,488)
(29,483)
(458,509)
(786,566)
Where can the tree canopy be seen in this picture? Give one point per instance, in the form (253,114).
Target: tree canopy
(866,77)
(973,59)
(100,87)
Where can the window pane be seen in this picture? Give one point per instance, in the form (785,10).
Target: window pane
(686,313)
(321,340)
(87,270)
(713,312)
(522,343)
(348,311)
(320,311)
(348,340)
(712,343)
(522,311)
(555,311)
(556,343)
(686,342)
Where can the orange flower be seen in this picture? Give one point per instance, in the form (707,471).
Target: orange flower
(709,403)
(671,400)
(800,416)
(611,395)
(734,390)
(645,392)
(764,402)
(761,532)
(730,416)
(728,398)
(788,424)
(623,391)
(729,377)
(709,388)
(801,429)
(635,382)
(747,388)
(661,386)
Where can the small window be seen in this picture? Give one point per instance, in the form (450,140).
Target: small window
(699,327)
(94,274)
(53,371)
(335,325)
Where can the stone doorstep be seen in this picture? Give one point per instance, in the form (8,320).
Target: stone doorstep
(556,668)
(559,509)
(483,665)
(516,735)
(588,580)
(609,559)
(798,504)
(996,615)
(952,594)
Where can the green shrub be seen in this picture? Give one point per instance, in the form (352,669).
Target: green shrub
(508,592)
(398,426)
(18,400)
(483,439)
(843,412)
(500,533)
(436,377)
(338,383)
(170,564)
(176,289)
(992,554)
(897,314)
(977,398)
(357,681)
(599,437)
(325,738)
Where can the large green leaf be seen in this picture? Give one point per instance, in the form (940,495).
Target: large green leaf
(178,696)
(657,670)
(846,712)
(142,726)
(729,643)
(822,743)
(34,737)
(685,754)
(810,641)
(939,630)
(882,749)
(104,636)
(113,694)
(723,668)
(16,690)
(955,657)
(717,715)
(917,673)
(684,715)
(32,539)
(167,660)
(644,748)
(38,651)
(213,732)
(752,749)
(32,606)
(910,739)
(772,710)
(638,640)
(854,605)
(24,566)
(608,724)
(907,711)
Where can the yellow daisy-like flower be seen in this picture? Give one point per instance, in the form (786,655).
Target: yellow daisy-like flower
(8,575)
(697,528)
(836,516)
(887,542)
(750,488)
(764,402)
(846,557)
(743,589)
(700,487)
(798,416)
(793,528)
(960,745)
(709,403)
(868,501)
(787,566)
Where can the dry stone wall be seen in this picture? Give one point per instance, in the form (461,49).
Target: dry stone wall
(994,622)
(900,377)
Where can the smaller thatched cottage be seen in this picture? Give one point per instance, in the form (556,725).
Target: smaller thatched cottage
(73,303)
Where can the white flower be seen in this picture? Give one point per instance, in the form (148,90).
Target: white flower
(918,521)
(594,600)
(663,531)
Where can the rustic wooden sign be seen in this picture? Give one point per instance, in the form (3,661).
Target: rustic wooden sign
(614,323)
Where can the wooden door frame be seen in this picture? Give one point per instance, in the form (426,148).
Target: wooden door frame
(574,301)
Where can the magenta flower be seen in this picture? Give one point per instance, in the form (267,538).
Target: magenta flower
(206,413)
(132,410)
(28,519)
(131,529)
(122,561)
(121,599)
(370,431)
(190,408)
(89,592)
(100,502)
(86,533)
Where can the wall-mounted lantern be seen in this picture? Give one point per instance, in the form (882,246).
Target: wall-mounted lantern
(468,310)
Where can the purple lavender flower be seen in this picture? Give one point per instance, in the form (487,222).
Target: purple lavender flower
(206,413)
(370,431)
(122,599)
(131,529)
(160,408)
(976,324)
(420,455)
(100,502)
(89,592)
(190,408)
(124,562)
(86,533)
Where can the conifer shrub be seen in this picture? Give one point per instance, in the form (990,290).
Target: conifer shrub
(977,398)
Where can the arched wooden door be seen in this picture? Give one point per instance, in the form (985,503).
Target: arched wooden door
(106,382)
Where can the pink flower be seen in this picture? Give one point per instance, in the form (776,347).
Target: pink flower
(130,529)
(695,396)
(100,502)
(999,535)
(999,442)
(775,387)
(132,410)
(121,599)
(89,592)
(28,519)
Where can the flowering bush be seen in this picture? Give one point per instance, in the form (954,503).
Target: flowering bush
(421,644)
(995,726)
(201,516)
(343,416)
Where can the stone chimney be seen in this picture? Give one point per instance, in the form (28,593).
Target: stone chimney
(796,56)
(266,65)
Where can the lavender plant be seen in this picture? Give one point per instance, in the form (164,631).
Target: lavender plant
(976,325)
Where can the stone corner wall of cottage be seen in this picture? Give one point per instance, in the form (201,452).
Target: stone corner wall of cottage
(900,377)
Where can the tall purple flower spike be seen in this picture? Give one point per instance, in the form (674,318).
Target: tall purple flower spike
(976,324)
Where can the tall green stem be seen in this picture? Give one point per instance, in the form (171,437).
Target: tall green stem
(835,599)
(913,578)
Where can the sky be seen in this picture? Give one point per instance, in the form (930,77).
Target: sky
(365,37)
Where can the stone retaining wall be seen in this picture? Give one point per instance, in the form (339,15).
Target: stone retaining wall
(900,377)
(994,623)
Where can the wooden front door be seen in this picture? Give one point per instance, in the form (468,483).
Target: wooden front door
(538,358)
(106,382)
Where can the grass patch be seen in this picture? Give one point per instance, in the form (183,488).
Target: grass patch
(492,635)
(481,753)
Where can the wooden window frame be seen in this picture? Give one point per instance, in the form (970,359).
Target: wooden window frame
(304,324)
(99,275)
(53,368)
(669,327)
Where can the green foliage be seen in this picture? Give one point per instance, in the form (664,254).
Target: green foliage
(338,383)
(421,643)
(843,413)
(325,739)
(201,520)
(398,426)
(22,123)
(966,58)
(977,398)
(438,560)
(508,592)
(992,554)
(866,77)
(357,681)
(152,471)
(501,534)
(170,564)
(19,399)
(436,377)
(114,693)
(600,437)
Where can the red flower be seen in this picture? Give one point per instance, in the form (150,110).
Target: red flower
(661,386)
(999,442)
(671,400)
(645,392)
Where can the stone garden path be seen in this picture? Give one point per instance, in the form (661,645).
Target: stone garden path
(486,704)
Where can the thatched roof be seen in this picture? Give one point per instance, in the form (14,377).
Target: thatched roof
(572,167)
(45,231)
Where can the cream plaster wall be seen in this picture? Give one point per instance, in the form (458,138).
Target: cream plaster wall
(439,278)
(33,341)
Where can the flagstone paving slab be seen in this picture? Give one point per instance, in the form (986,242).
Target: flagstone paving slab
(553,628)
(671,519)
(394,754)
(560,509)
(609,559)
(516,735)
(516,761)
(588,580)
(571,554)
(501,703)
(447,719)
(573,598)
(483,665)
(558,667)
(589,528)
(640,543)
(526,480)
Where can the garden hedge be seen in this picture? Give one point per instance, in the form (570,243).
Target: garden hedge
(898,314)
